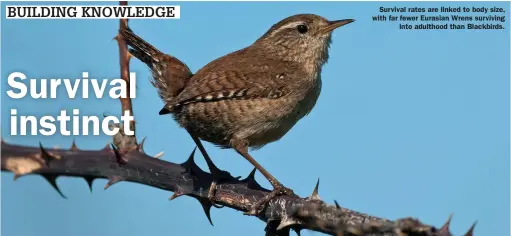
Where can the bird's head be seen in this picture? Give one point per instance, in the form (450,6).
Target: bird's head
(301,37)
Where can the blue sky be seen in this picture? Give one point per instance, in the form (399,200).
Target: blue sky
(409,123)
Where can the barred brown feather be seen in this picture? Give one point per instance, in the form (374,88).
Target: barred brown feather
(169,74)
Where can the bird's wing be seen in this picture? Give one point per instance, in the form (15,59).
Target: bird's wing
(239,80)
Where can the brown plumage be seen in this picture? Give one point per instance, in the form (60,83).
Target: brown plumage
(253,96)
(170,75)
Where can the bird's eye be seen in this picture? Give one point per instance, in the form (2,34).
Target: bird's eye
(302,29)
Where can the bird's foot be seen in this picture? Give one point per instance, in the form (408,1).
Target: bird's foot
(219,176)
(278,190)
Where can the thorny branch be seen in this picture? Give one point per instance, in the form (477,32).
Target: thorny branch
(133,165)
(124,62)
(126,161)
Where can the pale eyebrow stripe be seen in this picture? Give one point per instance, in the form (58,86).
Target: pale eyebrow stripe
(286,26)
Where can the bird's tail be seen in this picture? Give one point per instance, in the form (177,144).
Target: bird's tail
(141,49)
(170,75)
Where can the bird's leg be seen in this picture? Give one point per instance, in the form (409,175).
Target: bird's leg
(241,147)
(217,174)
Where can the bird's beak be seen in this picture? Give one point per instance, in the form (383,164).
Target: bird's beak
(335,24)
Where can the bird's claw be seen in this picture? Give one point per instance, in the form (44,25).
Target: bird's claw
(279,190)
(219,176)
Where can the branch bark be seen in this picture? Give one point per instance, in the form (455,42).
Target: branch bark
(125,161)
(125,141)
(187,179)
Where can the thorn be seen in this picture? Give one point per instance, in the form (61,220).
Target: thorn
(164,111)
(176,194)
(251,181)
(158,155)
(190,158)
(118,156)
(285,222)
(270,225)
(189,163)
(271,229)
(470,231)
(140,146)
(251,177)
(52,179)
(297,230)
(107,148)
(315,195)
(45,155)
(89,181)
(129,55)
(217,174)
(113,180)
(445,227)
(16,176)
(206,206)
(116,37)
(337,205)
(74,148)
(191,167)
(284,232)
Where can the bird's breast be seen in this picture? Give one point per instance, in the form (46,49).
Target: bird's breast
(310,97)
(302,106)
